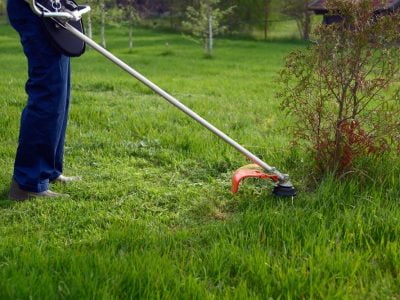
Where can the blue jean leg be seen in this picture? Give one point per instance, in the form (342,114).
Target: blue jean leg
(59,159)
(39,157)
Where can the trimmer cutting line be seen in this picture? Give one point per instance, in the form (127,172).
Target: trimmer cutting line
(63,22)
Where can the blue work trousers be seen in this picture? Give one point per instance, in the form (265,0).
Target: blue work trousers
(39,157)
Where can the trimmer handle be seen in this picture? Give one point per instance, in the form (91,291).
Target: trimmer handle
(60,12)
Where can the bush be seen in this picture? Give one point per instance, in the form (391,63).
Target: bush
(343,90)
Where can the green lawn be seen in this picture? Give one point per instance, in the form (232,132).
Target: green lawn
(154,217)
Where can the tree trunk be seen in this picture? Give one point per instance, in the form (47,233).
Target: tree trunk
(3,9)
(266,18)
(210,35)
(307,23)
(89,25)
(130,35)
(103,17)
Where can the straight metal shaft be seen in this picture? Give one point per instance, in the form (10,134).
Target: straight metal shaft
(174,102)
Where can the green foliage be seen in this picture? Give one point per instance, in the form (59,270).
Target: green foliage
(205,21)
(129,15)
(344,90)
(177,9)
(248,14)
(111,9)
(2,7)
(103,13)
(298,10)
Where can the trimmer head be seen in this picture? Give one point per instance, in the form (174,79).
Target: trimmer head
(285,189)
(281,189)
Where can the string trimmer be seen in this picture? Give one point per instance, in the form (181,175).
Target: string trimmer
(63,22)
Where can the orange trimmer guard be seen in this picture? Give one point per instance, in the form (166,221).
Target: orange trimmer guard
(250,171)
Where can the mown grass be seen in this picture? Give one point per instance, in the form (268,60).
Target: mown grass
(154,218)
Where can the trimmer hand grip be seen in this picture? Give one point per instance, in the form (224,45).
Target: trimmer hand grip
(65,14)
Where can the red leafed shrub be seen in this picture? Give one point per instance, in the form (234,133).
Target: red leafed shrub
(355,142)
(343,91)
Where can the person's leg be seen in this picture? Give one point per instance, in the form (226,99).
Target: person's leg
(59,157)
(43,120)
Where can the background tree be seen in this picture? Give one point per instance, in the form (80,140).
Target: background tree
(2,8)
(298,10)
(96,18)
(89,17)
(131,16)
(102,5)
(177,9)
(103,12)
(266,12)
(344,90)
(248,14)
(204,22)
